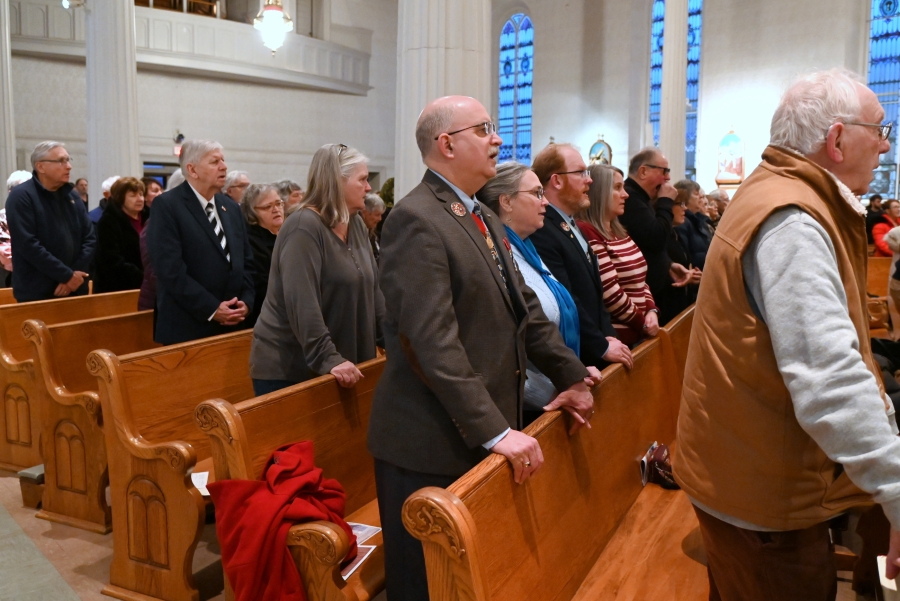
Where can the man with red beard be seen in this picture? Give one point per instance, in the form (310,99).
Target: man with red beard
(567,255)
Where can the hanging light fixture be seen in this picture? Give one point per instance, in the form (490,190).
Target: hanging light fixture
(274,23)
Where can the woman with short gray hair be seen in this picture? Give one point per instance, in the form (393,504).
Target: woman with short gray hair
(291,193)
(516,195)
(264,211)
(323,308)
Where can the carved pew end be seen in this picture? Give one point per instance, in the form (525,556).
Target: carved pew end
(31,481)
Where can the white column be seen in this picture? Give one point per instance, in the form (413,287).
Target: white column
(443,49)
(673,111)
(7,125)
(112,125)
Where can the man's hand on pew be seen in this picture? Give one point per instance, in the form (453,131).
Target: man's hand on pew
(594,376)
(523,452)
(578,401)
(892,567)
(61,290)
(618,352)
(347,374)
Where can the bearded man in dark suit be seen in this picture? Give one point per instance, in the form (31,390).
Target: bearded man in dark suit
(459,324)
(198,245)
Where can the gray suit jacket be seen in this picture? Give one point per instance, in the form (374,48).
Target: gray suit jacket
(456,340)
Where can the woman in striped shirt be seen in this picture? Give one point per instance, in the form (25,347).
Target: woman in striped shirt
(623,269)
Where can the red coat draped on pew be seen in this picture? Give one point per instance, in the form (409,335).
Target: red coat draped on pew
(253,518)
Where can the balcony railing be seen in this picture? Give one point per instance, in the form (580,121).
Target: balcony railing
(172,41)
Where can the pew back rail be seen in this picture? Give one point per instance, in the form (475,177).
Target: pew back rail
(74,451)
(20,446)
(152,443)
(245,434)
(576,501)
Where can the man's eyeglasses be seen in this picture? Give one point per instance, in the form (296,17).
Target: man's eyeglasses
(582,172)
(271,207)
(537,193)
(487,127)
(665,170)
(884,129)
(62,161)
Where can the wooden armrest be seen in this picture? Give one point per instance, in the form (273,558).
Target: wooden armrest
(318,549)
(845,559)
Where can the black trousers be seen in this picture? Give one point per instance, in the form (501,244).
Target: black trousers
(404,562)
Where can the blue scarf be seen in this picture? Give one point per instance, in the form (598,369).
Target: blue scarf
(568,313)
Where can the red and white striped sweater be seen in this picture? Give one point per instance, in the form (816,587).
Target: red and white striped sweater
(623,273)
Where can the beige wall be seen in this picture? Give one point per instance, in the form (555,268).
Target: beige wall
(268,131)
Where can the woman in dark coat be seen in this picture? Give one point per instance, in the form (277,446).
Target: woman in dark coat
(264,211)
(694,232)
(118,263)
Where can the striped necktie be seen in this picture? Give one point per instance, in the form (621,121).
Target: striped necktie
(220,233)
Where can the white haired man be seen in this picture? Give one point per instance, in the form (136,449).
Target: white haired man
(784,423)
(236,183)
(721,198)
(52,238)
(198,246)
(106,189)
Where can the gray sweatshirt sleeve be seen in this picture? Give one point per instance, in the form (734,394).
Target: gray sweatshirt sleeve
(791,274)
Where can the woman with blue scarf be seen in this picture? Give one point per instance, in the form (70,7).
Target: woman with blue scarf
(516,195)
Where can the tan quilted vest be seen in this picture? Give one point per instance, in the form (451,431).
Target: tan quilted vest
(740,448)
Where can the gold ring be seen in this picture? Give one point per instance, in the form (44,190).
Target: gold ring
(527,463)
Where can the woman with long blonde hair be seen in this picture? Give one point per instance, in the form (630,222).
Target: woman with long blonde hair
(323,308)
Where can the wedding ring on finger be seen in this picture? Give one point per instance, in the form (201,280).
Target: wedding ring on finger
(527,463)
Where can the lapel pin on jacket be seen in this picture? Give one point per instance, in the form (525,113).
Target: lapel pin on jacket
(458,209)
(565,226)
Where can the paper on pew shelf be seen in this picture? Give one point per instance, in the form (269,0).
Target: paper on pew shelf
(199,480)
(363,532)
(363,551)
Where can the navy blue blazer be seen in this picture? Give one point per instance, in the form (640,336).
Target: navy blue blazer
(51,237)
(577,271)
(193,275)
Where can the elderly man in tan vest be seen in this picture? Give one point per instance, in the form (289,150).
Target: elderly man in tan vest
(784,423)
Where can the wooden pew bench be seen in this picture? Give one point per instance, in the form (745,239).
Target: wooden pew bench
(68,404)
(20,442)
(486,538)
(6,296)
(336,419)
(152,444)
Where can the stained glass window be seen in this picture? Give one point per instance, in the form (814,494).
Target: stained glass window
(695,25)
(656,58)
(884,79)
(516,76)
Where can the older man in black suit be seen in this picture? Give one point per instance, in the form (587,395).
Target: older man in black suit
(459,325)
(198,247)
(567,254)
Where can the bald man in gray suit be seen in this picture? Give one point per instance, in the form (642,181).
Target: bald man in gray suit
(460,325)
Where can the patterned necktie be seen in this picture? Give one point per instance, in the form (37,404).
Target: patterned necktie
(489,239)
(220,233)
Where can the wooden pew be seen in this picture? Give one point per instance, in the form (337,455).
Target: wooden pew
(68,404)
(487,538)
(336,419)
(152,445)
(19,444)
(6,296)
(877,275)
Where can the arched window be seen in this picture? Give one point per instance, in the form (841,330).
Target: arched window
(516,76)
(884,79)
(695,26)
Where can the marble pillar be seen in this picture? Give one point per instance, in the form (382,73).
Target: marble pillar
(443,48)
(673,105)
(112,125)
(7,125)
